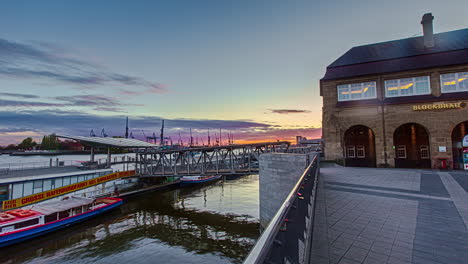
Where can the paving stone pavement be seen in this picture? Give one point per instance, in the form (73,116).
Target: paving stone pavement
(370,215)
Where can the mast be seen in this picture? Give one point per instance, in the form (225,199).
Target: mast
(191,138)
(208,137)
(162,133)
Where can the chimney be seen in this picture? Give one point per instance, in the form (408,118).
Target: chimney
(428,30)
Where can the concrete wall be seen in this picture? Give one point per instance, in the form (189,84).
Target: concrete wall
(279,172)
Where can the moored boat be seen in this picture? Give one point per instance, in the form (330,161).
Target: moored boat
(192,180)
(22,224)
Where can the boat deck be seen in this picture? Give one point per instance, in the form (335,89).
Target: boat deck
(17,219)
(38,171)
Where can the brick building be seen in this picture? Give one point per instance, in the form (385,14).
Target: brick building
(399,103)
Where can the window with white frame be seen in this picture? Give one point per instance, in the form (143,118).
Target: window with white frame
(424,151)
(361,153)
(407,86)
(356,91)
(351,152)
(454,82)
(401,152)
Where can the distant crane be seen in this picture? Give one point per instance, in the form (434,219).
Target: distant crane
(162,133)
(154,138)
(103,133)
(191,138)
(144,136)
(230,138)
(126,129)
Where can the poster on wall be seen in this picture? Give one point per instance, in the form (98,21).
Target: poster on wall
(465,152)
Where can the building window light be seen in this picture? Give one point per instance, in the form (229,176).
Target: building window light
(424,151)
(454,82)
(407,86)
(401,152)
(361,153)
(356,91)
(351,152)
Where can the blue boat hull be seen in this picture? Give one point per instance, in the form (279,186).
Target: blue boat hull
(195,182)
(20,236)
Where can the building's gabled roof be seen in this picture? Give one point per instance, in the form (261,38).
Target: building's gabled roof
(401,55)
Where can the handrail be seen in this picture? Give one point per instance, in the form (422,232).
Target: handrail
(263,245)
(55,162)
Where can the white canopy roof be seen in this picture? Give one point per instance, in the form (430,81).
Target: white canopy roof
(112,142)
(59,206)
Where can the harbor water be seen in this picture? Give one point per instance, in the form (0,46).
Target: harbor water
(214,223)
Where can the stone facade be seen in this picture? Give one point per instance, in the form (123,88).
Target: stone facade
(384,118)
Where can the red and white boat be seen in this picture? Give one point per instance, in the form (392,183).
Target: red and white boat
(22,224)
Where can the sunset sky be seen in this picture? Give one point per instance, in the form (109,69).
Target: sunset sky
(249,67)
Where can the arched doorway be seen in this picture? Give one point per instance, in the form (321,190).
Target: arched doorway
(457,136)
(411,145)
(359,147)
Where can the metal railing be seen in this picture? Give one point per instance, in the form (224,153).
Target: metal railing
(17,167)
(13,166)
(288,236)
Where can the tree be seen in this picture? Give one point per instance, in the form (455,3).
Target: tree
(11,147)
(50,142)
(27,143)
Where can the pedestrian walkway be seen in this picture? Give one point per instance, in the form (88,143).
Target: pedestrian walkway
(370,215)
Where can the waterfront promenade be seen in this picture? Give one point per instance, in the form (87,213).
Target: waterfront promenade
(369,215)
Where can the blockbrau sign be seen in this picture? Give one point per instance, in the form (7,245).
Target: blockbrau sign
(438,106)
(10,204)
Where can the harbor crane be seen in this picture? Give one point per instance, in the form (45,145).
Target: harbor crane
(103,133)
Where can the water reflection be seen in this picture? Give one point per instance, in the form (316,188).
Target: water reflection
(213,224)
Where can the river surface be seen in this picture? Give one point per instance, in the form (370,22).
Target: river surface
(216,223)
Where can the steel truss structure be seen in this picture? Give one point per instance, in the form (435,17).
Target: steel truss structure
(230,159)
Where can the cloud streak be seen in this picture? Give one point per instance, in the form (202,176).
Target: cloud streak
(16,95)
(15,103)
(45,62)
(289,111)
(97,102)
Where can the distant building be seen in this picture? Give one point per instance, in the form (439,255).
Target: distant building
(398,103)
(72,145)
(300,140)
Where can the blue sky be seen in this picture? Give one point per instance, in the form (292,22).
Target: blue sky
(228,64)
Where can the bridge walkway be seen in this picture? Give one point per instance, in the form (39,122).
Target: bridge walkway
(369,215)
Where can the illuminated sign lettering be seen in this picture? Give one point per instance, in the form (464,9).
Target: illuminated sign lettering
(425,107)
(10,204)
